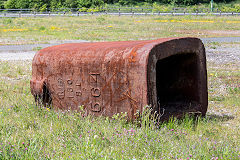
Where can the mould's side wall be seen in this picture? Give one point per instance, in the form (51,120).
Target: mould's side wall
(105,82)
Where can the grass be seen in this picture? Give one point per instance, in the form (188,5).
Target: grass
(113,28)
(31,132)
(224,90)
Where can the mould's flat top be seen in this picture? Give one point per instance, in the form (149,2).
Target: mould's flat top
(107,45)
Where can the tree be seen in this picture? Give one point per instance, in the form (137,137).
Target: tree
(89,3)
(2,4)
(70,4)
(54,4)
(10,4)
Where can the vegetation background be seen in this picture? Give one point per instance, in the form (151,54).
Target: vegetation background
(42,5)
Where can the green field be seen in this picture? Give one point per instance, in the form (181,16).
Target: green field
(31,132)
(114,28)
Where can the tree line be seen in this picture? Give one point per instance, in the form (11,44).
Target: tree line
(54,4)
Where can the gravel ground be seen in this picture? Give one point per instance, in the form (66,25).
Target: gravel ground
(223,54)
(26,52)
(221,39)
(15,56)
(219,52)
(216,51)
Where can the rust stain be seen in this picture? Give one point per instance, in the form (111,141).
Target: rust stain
(132,57)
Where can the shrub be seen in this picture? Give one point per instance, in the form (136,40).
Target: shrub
(55,4)
(89,3)
(237,7)
(22,4)
(227,9)
(161,8)
(43,8)
(10,4)
(1,4)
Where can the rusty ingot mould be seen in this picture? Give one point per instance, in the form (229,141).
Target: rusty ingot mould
(113,77)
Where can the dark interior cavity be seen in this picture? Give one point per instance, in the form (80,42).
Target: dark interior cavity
(177,84)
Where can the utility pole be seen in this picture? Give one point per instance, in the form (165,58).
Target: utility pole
(211,5)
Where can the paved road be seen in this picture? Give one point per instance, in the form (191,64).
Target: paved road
(221,39)
(27,51)
(32,47)
(221,54)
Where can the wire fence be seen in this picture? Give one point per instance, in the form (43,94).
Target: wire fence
(112,11)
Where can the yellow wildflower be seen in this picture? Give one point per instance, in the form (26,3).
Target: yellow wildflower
(13,30)
(232,21)
(201,21)
(161,20)
(53,28)
(185,21)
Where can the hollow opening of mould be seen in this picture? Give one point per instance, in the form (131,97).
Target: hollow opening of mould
(177,85)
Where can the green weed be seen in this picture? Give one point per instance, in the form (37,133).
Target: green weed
(28,131)
(7,21)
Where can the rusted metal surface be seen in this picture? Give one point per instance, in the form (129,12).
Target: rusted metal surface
(113,77)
